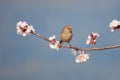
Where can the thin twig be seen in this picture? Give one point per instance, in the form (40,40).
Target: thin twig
(41,36)
(73,47)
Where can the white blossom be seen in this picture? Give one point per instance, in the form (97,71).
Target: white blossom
(114,25)
(54,44)
(82,57)
(92,38)
(24,29)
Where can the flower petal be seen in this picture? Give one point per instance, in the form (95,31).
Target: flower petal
(114,23)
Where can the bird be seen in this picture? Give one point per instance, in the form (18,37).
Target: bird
(66,34)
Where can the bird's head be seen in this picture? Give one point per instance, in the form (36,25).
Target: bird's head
(67,28)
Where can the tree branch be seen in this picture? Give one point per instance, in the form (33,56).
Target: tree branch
(93,49)
(76,48)
(41,36)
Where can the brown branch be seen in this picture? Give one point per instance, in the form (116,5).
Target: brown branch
(76,48)
(92,49)
(41,36)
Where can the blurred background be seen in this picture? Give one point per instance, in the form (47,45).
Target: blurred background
(30,58)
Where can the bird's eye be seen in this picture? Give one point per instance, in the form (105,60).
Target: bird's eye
(68,28)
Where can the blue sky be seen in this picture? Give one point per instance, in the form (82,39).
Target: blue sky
(30,58)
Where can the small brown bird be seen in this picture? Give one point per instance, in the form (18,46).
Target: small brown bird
(66,34)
